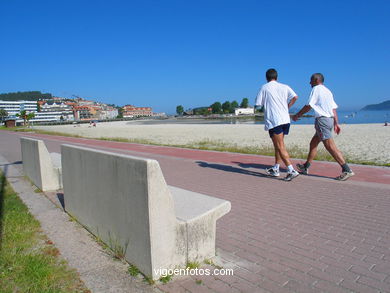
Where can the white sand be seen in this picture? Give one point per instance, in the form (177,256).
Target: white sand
(366,142)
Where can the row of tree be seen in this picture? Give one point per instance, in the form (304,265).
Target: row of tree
(23,114)
(25,96)
(218,108)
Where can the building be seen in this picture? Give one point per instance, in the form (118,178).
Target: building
(15,107)
(52,116)
(132,111)
(63,111)
(82,113)
(108,112)
(244,111)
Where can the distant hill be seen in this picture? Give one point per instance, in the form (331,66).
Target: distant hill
(25,96)
(378,107)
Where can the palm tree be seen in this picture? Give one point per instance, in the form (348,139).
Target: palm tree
(3,114)
(23,115)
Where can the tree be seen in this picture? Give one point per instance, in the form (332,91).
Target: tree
(244,103)
(29,117)
(3,114)
(233,106)
(23,115)
(216,108)
(120,113)
(226,107)
(179,110)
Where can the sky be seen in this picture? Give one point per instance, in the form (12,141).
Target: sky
(193,53)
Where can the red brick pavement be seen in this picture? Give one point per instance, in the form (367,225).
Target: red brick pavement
(313,234)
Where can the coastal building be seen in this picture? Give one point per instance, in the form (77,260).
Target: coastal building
(132,111)
(244,111)
(82,113)
(15,107)
(52,116)
(108,112)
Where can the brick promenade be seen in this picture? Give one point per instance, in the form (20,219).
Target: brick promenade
(313,234)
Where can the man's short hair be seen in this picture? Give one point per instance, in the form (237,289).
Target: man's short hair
(318,77)
(271,74)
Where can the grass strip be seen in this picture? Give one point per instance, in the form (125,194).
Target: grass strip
(29,262)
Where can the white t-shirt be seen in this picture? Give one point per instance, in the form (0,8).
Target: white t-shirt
(322,102)
(274,96)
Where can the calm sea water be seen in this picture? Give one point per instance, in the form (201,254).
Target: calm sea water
(358,117)
(345,117)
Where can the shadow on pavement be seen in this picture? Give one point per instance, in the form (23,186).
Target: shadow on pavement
(255,166)
(60,197)
(261,166)
(228,168)
(9,164)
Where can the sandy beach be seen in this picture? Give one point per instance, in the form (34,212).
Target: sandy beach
(361,142)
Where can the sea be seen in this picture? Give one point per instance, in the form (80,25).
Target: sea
(345,117)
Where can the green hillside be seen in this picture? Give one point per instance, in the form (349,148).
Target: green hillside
(378,107)
(26,96)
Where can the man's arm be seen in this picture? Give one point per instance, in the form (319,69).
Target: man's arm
(292,101)
(303,111)
(337,128)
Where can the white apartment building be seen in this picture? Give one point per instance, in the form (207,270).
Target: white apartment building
(14,107)
(244,111)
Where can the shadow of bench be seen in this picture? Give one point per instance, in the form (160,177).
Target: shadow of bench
(43,168)
(126,203)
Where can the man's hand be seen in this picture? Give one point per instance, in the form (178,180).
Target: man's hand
(295,117)
(337,129)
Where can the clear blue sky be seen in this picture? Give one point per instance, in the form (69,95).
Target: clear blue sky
(165,53)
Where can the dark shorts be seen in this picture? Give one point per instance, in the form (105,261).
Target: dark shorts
(284,128)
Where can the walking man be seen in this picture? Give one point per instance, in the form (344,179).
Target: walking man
(277,98)
(322,102)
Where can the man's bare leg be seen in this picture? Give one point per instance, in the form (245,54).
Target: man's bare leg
(331,147)
(315,141)
(280,149)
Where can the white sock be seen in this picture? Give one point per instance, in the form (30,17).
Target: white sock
(290,168)
(276,167)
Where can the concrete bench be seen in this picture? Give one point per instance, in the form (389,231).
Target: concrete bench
(43,168)
(126,202)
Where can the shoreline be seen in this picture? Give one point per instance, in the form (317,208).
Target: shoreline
(361,143)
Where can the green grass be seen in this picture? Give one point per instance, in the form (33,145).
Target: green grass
(192,265)
(216,145)
(28,261)
(133,270)
(165,279)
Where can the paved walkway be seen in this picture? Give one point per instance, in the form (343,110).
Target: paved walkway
(313,234)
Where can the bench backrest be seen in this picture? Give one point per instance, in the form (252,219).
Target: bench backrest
(38,164)
(125,201)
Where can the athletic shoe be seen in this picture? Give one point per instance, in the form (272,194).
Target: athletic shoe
(291,176)
(272,172)
(345,175)
(302,169)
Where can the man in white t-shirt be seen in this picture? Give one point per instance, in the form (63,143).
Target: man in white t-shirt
(276,98)
(322,102)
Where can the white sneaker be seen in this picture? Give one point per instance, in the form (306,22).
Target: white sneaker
(345,175)
(291,176)
(272,172)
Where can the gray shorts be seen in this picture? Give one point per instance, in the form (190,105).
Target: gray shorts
(324,127)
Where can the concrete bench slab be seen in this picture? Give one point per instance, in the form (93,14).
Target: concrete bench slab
(43,168)
(125,201)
